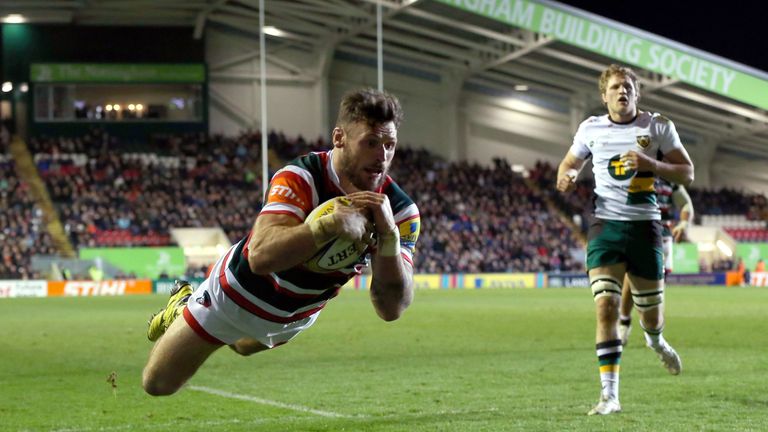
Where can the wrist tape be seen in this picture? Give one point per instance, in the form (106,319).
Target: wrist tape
(389,244)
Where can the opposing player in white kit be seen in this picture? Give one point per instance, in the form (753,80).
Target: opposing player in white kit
(260,294)
(668,196)
(624,236)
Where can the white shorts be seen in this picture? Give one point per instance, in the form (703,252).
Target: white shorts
(666,247)
(219,320)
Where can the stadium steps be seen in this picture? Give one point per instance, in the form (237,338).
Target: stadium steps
(554,209)
(27,172)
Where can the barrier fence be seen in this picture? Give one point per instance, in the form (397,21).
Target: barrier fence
(42,288)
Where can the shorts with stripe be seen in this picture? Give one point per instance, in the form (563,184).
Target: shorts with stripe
(636,243)
(215,317)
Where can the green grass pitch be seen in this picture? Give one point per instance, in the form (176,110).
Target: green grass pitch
(463,360)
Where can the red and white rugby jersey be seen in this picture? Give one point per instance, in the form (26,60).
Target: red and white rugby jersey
(296,293)
(664,191)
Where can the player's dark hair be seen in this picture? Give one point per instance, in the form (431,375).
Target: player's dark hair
(370,106)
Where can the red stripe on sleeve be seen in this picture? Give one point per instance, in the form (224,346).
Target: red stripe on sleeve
(409,218)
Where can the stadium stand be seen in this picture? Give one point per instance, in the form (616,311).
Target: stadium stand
(476,218)
(482,219)
(577,205)
(107,196)
(742,215)
(22,229)
(117,198)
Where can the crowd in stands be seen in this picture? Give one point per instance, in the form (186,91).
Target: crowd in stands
(475,218)
(482,218)
(289,148)
(707,201)
(22,228)
(107,196)
(743,216)
(725,201)
(577,205)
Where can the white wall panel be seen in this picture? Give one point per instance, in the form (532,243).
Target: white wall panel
(292,107)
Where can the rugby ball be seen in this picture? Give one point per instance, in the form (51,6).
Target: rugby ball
(337,253)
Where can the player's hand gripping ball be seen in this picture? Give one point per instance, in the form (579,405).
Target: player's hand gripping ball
(339,252)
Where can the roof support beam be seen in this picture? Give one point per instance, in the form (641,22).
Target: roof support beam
(202,16)
(253,77)
(538,42)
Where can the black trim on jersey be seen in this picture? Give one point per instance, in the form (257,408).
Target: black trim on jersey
(314,164)
(262,286)
(326,190)
(398,199)
(624,123)
(321,286)
(305,278)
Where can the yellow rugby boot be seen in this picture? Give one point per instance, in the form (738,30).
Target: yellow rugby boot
(159,322)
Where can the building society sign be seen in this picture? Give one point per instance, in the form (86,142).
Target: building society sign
(627,45)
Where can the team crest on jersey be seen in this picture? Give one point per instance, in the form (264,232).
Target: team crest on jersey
(643,141)
(617,170)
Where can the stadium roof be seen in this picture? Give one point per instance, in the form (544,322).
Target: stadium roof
(546,46)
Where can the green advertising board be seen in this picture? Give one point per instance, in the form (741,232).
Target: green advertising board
(751,253)
(164,286)
(144,262)
(685,258)
(627,45)
(117,73)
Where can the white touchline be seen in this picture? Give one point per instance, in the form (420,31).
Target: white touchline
(258,400)
(159,426)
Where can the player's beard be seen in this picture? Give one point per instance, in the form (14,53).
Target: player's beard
(358,176)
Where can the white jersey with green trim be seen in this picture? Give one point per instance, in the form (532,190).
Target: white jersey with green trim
(621,193)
